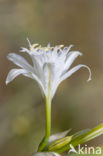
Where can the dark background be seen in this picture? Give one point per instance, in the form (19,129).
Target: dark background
(77,104)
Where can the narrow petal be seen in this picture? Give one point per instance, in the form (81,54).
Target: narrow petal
(67,49)
(70,59)
(19,61)
(14,73)
(24,50)
(68,74)
(40,83)
(32,52)
(73,70)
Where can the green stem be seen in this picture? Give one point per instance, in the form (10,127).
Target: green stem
(48,116)
(45,140)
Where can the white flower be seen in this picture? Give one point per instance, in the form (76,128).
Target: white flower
(51,65)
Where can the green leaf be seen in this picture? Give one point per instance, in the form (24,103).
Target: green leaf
(78,138)
(91,134)
(80,134)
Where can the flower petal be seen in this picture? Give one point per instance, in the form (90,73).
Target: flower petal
(73,70)
(14,73)
(67,49)
(19,61)
(25,50)
(70,59)
(68,74)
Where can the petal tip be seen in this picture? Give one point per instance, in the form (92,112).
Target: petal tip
(81,54)
(6,82)
(9,56)
(89,79)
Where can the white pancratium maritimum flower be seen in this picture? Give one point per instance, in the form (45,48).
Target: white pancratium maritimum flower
(51,66)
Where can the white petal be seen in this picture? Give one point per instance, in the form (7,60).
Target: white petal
(24,50)
(68,74)
(67,49)
(39,81)
(47,74)
(32,52)
(19,61)
(73,70)
(14,73)
(70,59)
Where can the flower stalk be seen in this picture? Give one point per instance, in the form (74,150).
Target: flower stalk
(45,141)
(48,116)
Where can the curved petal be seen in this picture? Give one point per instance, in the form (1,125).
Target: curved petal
(70,59)
(25,50)
(73,70)
(30,52)
(68,74)
(67,49)
(14,73)
(19,61)
(40,83)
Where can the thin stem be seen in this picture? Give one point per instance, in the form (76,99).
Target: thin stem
(48,107)
(45,140)
(48,117)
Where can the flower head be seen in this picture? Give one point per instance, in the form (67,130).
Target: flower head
(51,66)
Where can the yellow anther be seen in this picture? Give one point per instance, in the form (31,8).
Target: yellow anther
(34,45)
(60,46)
(38,47)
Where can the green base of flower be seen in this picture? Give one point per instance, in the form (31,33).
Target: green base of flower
(43,144)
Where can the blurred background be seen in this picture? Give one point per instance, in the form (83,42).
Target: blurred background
(77,104)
